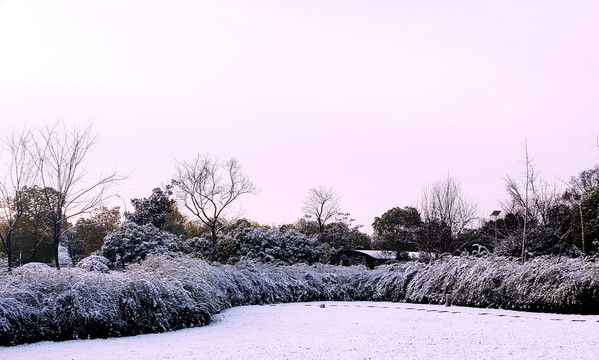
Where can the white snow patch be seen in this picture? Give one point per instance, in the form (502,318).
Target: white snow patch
(348,330)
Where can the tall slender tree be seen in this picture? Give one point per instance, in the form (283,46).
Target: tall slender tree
(532,199)
(519,191)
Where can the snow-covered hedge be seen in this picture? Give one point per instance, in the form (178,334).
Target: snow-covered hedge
(167,292)
(544,284)
(162,293)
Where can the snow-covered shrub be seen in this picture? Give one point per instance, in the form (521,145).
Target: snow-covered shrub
(75,303)
(264,244)
(302,248)
(20,314)
(269,245)
(95,263)
(199,246)
(391,281)
(131,243)
(35,265)
(542,284)
(470,280)
(162,293)
(546,284)
(166,292)
(63,255)
(58,305)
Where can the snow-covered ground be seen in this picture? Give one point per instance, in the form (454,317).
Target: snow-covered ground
(348,330)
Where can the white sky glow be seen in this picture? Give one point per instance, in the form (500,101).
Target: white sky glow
(374,99)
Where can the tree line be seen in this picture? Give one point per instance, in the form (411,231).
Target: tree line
(536,219)
(44,181)
(48,203)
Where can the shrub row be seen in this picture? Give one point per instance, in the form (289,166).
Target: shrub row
(544,284)
(163,293)
(168,292)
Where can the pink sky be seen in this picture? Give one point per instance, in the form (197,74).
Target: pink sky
(374,99)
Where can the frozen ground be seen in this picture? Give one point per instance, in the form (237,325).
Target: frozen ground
(348,330)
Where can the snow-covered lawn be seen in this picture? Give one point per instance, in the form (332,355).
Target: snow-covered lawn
(348,330)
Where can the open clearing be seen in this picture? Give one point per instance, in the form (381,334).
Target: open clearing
(348,330)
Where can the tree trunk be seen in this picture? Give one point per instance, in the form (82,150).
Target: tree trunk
(9,252)
(56,240)
(584,247)
(213,247)
(525,202)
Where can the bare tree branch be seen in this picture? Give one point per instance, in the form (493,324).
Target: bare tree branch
(323,204)
(59,156)
(207,188)
(531,198)
(443,201)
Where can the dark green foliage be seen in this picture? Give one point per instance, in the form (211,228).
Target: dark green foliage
(175,221)
(303,225)
(152,210)
(94,229)
(87,236)
(554,237)
(32,238)
(590,210)
(397,229)
(342,235)
(435,236)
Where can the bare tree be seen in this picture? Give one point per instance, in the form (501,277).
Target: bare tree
(19,174)
(444,201)
(59,156)
(208,187)
(530,197)
(323,204)
(519,198)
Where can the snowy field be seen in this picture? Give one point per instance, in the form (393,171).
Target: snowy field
(348,330)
